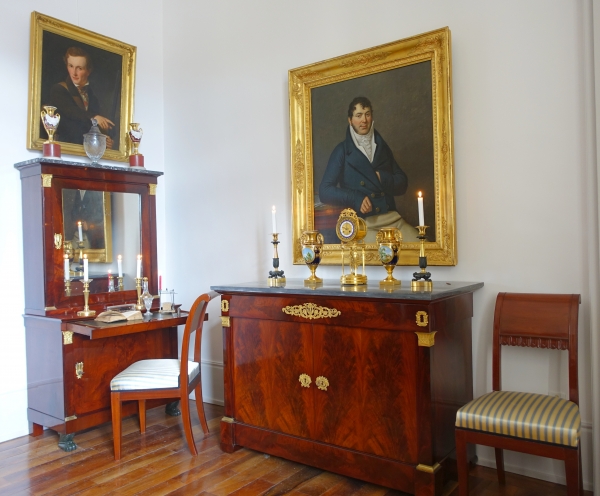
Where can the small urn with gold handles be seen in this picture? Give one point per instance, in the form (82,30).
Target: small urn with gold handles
(50,121)
(312,245)
(136,159)
(389,240)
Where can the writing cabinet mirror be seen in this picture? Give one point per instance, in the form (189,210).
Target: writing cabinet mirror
(117,209)
(104,226)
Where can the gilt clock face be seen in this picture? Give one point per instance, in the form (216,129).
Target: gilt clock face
(346,229)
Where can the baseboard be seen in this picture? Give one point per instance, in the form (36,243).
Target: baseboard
(212,382)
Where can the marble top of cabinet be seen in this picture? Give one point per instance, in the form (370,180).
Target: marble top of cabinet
(332,287)
(101,167)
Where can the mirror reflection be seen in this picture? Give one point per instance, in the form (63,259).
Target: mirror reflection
(96,225)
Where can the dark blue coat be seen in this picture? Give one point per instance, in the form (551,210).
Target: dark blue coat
(75,120)
(349,177)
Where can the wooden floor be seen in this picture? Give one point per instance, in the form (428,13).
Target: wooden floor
(159,462)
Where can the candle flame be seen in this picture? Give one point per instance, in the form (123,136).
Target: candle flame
(120,257)
(85,256)
(273,209)
(420,195)
(78,222)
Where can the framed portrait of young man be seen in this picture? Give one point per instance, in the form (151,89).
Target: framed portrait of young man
(85,76)
(370,131)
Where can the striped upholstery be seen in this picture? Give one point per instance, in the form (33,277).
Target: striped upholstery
(538,417)
(152,374)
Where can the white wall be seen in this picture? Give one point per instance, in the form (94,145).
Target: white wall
(521,158)
(138,22)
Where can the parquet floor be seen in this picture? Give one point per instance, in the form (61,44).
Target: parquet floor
(159,462)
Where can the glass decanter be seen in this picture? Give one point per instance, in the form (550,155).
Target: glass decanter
(146,296)
(94,143)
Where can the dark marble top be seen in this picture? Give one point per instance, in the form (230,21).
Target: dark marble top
(123,168)
(331,287)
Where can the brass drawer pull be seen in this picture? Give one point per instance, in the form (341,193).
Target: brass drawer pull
(305,380)
(322,383)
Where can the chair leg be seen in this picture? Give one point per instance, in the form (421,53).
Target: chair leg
(573,471)
(187,425)
(500,466)
(200,408)
(462,463)
(142,415)
(115,406)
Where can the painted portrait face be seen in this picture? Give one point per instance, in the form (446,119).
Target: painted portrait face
(361,120)
(78,70)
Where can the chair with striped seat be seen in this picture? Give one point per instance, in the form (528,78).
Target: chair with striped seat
(161,378)
(537,424)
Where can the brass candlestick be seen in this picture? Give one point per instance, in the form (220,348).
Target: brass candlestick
(68,249)
(120,283)
(276,277)
(421,281)
(138,286)
(86,312)
(67,287)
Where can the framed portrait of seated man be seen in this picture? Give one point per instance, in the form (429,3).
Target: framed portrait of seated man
(370,131)
(85,76)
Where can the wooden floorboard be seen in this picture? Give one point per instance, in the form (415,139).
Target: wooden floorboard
(159,463)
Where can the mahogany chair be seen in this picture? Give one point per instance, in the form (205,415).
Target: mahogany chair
(537,424)
(160,378)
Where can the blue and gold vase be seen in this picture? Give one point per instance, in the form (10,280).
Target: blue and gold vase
(389,240)
(312,244)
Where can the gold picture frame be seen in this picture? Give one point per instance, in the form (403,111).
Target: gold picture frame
(111,83)
(409,82)
(93,209)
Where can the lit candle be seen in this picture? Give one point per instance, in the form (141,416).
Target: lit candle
(274,219)
(80,231)
(67,269)
(138,271)
(421,213)
(120,265)
(85,268)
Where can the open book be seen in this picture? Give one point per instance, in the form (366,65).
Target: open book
(114,316)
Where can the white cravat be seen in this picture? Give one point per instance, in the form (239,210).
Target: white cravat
(365,142)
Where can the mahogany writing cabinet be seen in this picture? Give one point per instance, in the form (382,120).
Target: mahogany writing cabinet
(71,360)
(362,383)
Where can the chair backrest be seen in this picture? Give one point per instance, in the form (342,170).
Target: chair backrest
(193,325)
(537,321)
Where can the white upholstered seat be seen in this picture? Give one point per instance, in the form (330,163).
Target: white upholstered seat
(152,374)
